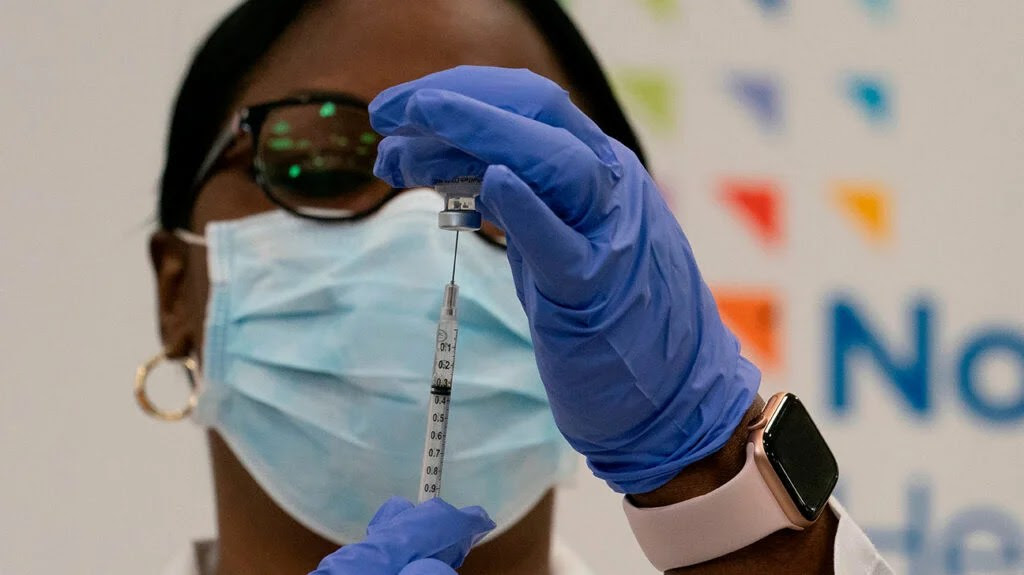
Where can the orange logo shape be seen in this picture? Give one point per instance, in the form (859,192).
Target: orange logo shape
(758,203)
(867,206)
(754,316)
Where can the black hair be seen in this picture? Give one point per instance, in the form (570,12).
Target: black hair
(221,65)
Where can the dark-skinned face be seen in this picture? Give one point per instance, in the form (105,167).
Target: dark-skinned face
(358,47)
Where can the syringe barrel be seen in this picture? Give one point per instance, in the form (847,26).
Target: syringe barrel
(433,451)
(442,376)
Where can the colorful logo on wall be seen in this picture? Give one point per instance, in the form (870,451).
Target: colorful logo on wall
(866,205)
(878,7)
(662,8)
(871,96)
(753,315)
(758,203)
(772,6)
(650,93)
(760,95)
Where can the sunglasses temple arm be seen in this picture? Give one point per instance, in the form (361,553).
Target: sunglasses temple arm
(224,139)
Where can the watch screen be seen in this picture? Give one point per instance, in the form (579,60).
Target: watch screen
(801,458)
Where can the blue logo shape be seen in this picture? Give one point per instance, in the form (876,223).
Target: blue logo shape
(872,96)
(772,6)
(761,95)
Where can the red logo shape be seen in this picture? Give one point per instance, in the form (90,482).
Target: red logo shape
(759,204)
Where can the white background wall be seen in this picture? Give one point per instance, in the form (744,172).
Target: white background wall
(89,485)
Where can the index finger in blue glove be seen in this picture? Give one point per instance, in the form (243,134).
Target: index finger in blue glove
(405,162)
(561,169)
(427,567)
(517,90)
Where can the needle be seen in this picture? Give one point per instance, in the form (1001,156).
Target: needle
(456,256)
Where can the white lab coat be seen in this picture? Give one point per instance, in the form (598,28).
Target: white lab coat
(854,555)
(853,552)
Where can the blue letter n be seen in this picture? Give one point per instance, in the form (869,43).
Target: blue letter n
(908,375)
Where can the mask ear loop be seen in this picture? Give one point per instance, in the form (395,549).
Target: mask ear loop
(190,237)
(142,397)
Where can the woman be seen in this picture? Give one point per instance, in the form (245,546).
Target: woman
(305,287)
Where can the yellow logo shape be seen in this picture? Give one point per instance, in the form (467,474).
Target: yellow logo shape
(650,93)
(867,205)
(662,8)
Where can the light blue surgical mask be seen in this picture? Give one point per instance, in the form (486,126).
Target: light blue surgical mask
(319,344)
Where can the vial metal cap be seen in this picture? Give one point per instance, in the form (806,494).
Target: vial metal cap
(459,212)
(459,220)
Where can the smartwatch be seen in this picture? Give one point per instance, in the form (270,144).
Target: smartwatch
(786,482)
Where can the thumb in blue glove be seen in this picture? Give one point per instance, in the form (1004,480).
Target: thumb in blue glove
(401,535)
(642,376)
(427,567)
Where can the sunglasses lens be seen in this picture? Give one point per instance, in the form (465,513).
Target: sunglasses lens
(318,158)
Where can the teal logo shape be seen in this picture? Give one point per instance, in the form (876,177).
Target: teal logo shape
(879,8)
(872,96)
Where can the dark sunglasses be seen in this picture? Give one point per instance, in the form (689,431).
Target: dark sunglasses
(312,155)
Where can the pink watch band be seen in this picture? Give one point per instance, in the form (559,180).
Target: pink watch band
(742,511)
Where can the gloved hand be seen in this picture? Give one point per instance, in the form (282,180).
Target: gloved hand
(642,376)
(431,538)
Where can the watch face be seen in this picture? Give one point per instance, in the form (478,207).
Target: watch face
(800,457)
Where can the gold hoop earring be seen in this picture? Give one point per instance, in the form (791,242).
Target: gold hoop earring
(142,374)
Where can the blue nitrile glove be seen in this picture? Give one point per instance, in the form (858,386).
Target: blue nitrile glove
(642,375)
(427,567)
(403,539)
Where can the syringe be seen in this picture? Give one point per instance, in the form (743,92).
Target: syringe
(459,214)
(440,395)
